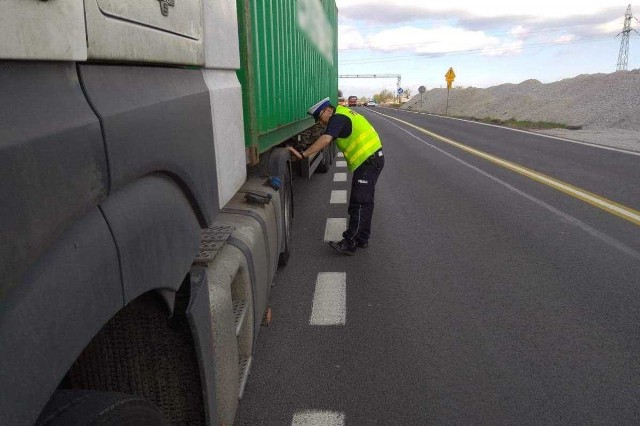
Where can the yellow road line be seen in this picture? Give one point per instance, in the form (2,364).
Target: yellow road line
(595,200)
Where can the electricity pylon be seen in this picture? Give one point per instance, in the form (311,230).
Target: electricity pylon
(623,56)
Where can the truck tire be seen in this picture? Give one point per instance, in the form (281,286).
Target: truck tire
(83,407)
(287,214)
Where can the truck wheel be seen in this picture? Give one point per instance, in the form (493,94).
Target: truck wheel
(82,407)
(325,164)
(287,213)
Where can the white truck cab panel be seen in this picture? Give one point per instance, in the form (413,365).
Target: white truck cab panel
(181,17)
(228,132)
(33,30)
(222,50)
(158,31)
(200,33)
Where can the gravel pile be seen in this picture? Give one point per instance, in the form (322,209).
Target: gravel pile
(589,101)
(605,107)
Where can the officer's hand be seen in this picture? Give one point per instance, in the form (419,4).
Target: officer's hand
(295,153)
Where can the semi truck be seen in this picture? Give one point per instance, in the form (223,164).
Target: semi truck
(146,198)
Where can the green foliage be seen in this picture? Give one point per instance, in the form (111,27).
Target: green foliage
(384,96)
(524,124)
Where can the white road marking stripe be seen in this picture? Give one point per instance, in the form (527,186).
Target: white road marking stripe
(318,418)
(340,177)
(593,145)
(595,233)
(593,199)
(330,299)
(334,228)
(340,155)
(341,164)
(338,196)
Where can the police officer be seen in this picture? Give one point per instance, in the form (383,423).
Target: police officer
(361,146)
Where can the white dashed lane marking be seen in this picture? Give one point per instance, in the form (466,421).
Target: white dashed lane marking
(340,155)
(334,228)
(341,164)
(330,299)
(318,418)
(329,303)
(338,196)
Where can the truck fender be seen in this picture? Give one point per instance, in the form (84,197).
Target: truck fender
(156,232)
(65,299)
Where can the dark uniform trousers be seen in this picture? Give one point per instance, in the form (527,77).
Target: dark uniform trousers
(363,187)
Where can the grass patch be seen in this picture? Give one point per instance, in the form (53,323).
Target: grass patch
(523,124)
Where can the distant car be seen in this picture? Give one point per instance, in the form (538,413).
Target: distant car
(371,104)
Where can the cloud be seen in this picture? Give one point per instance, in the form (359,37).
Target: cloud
(404,10)
(489,16)
(519,31)
(491,27)
(566,38)
(433,42)
(430,41)
(613,27)
(350,38)
(505,48)
(368,42)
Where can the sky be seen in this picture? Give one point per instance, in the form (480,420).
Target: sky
(487,42)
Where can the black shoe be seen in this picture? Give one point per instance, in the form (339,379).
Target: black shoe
(344,247)
(362,244)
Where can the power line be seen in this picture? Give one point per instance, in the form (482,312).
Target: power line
(623,55)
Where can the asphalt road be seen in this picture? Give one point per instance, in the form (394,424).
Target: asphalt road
(486,296)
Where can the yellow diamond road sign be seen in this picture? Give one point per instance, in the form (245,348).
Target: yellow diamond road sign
(450,75)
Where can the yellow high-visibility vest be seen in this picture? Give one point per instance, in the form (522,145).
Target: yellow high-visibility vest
(361,143)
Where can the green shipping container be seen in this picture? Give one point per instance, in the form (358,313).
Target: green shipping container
(289,61)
